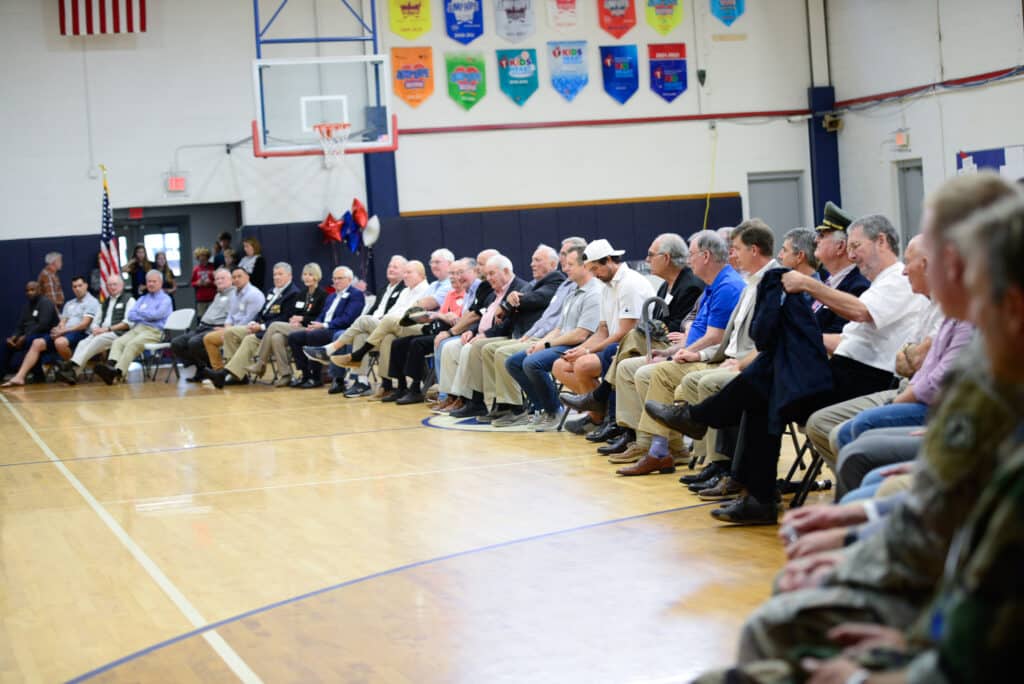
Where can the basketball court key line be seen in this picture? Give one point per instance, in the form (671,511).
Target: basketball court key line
(221,647)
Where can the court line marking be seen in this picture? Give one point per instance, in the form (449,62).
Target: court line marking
(219,645)
(316,483)
(377,575)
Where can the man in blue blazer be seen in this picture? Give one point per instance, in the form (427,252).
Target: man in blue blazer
(340,310)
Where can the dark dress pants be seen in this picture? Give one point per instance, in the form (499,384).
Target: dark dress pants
(307,337)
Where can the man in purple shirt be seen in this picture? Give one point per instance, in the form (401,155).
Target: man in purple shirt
(149,316)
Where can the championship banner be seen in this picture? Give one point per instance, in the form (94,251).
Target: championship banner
(467,80)
(668,69)
(727,11)
(568,67)
(464,20)
(664,15)
(514,19)
(412,70)
(619,66)
(617,16)
(564,15)
(517,74)
(409,19)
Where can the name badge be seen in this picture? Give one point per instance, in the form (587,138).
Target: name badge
(119,305)
(345,296)
(143,305)
(275,309)
(668,299)
(270,296)
(35,313)
(300,305)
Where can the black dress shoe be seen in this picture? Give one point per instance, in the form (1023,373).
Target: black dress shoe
(748,511)
(232,379)
(469,410)
(579,426)
(583,402)
(712,469)
(310,383)
(676,417)
(107,373)
(410,398)
(337,387)
(619,444)
(605,433)
(297,382)
(217,377)
(393,396)
(698,487)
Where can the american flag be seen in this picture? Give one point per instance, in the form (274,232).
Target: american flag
(86,17)
(108,242)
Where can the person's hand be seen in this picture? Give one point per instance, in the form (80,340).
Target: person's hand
(513,299)
(100,330)
(730,364)
(534,348)
(253,327)
(294,321)
(676,337)
(659,354)
(809,571)
(12,342)
(821,540)
(316,325)
(685,356)
(807,519)
(860,637)
(467,337)
(834,671)
(794,282)
(575,353)
(898,469)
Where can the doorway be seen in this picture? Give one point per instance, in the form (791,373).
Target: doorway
(777,199)
(910,194)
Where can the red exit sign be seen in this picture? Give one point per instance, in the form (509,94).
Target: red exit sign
(175,184)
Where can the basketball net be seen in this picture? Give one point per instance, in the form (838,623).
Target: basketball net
(333,139)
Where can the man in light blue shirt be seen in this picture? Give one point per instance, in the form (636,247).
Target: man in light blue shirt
(440,263)
(149,315)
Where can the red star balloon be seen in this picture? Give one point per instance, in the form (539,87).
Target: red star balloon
(359,213)
(330,227)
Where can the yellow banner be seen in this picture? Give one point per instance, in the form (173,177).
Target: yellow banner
(664,15)
(409,18)
(413,73)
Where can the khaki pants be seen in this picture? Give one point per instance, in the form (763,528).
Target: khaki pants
(448,366)
(91,346)
(229,338)
(356,336)
(498,384)
(275,343)
(244,353)
(126,347)
(658,382)
(382,336)
(695,388)
(824,421)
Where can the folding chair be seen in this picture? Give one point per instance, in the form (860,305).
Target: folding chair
(809,482)
(177,323)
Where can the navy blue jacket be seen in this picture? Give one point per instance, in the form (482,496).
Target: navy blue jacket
(347,312)
(828,320)
(792,365)
(505,326)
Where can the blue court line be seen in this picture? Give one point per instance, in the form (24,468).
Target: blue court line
(209,446)
(384,573)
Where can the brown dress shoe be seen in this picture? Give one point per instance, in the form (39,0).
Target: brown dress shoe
(454,406)
(727,488)
(632,454)
(346,361)
(649,464)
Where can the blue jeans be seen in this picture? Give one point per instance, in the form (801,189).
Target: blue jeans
(337,372)
(533,373)
(890,415)
(868,486)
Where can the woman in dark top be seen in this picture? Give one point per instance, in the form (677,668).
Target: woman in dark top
(253,262)
(137,269)
(160,264)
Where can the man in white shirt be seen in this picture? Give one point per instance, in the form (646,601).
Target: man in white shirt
(112,322)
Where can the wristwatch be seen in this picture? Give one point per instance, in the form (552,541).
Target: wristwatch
(547,345)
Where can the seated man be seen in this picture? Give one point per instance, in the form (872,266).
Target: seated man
(622,300)
(862,363)
(830,250)
(78,314)
(111,324)
(147,317)
(531,368)
(188,347)
(340,311)
(278,307)
(38,316)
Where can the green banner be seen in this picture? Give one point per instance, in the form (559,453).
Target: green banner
(467,77)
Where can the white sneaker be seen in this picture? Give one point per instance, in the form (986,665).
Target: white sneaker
(513,420)
(548,422)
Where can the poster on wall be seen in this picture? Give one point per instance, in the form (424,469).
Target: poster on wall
(568,67)
(1007,161)
(409,19)
(727,11)
(517,74)
(619,68)
(464,20)
(668,69)
(617,16)
(514,19)
(564,15)
(664,15)
(413,74)
(467,77)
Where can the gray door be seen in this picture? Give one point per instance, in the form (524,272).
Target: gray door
(777,198)
(910,185)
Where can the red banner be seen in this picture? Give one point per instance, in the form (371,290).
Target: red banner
(617,16)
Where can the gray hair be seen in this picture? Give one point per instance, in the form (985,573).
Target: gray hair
(470,262)
(996,235)
(345,271)
(399,258)
(579,251)
(802,241)
(725,232)
(874,225)
(313,269)
(502,262)
(51,257)
(574,242)
(225,270)
(547,251)
(154,272)
(284,266)
(675,247)
(443,253)
(712,243)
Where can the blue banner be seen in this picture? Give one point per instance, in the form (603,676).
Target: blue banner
(517,74)
(464,20)
(619,66)
(568,67)
(668,69)
(727,11)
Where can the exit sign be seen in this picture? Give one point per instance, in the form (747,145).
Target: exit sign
(175,184)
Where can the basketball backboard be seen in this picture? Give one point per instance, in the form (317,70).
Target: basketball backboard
(294,95)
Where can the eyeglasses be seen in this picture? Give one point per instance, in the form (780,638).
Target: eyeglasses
(651,255)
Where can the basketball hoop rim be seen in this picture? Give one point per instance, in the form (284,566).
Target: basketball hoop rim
(327,130)
(258,151)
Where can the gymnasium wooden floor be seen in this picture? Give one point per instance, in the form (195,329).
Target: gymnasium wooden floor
(176,533)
